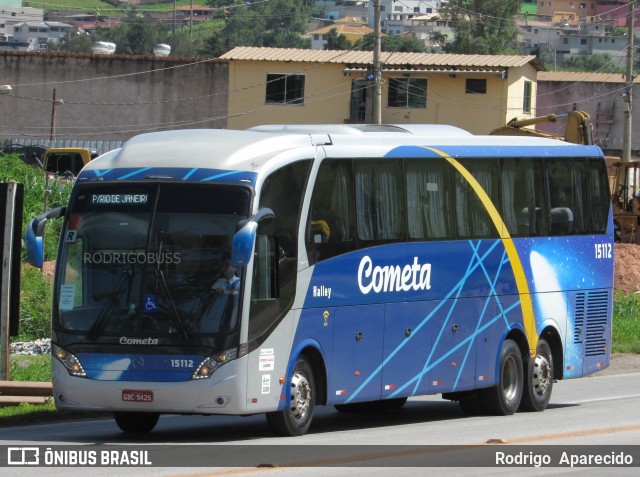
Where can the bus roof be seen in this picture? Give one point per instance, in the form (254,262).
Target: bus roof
(249,150)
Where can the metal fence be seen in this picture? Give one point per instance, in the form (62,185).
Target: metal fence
(100,146)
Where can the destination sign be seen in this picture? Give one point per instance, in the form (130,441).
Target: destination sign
(124,199)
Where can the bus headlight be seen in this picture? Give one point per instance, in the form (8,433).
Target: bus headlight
(211,363)
(70,361)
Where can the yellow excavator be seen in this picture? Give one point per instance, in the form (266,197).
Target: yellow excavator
(624,177)
(577,130)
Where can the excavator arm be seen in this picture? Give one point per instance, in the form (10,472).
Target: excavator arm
(577,130)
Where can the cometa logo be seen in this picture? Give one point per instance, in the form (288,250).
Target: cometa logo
(138,341)
(393,278)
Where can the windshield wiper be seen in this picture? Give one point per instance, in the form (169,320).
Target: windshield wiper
(107,309)
(178,321)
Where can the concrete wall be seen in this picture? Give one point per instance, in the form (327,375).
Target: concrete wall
(109,97)
(602,100)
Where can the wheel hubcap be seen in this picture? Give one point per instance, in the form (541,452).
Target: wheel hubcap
(541,375)
(510,379)
(300,396)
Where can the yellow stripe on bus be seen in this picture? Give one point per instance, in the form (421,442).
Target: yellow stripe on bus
(512,253)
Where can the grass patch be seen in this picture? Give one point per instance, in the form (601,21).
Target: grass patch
(27,414)
(38,369)
(626,324)
(30,368)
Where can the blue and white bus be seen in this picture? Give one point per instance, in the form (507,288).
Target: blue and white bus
(285,267)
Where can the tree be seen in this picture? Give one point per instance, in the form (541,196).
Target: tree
(600,62)
(135,34)
(391,43)
(483,27)
(276,23)
(402,44)
(73,42)
(336,41)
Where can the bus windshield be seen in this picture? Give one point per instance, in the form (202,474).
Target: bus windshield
(150,260)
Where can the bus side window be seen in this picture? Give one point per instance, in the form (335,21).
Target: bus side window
(330,224)
(380,199)
(522,197)
(598,210)
(276,260)
(264,269)
(566,189)
(472,218)
(429,199)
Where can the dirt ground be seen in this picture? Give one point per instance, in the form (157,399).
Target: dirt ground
(627,267)
(621,363)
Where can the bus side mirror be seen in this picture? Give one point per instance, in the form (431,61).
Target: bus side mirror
(35,231)
(245,237)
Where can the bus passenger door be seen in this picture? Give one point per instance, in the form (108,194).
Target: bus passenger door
(357,354)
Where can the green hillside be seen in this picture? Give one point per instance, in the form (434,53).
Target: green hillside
(107,8)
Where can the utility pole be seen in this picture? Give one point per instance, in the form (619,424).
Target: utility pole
(5,282)
(628,110)
(173,35)
(54,103)
(377,70)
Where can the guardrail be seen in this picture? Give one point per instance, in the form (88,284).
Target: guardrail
(17,392)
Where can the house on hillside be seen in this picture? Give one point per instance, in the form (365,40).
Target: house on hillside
(475,92)
(35,36)
(353,29)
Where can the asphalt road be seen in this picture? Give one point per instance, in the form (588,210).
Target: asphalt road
(599,411)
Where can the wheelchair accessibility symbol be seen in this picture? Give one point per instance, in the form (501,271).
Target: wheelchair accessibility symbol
(151,304)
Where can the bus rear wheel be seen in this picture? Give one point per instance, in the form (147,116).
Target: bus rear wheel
(538,380)
(504,398)
(295,419)
(136,422)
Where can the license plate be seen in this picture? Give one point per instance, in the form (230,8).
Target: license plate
(136,395)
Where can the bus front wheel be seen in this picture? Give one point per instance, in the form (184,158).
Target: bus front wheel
(295,419)
(538,380)
(136,422)
(504,398)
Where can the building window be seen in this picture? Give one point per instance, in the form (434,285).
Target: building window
(476,86)
(583,41)
(526,102)
(285,88)
(407,93)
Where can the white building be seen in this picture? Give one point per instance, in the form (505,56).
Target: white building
(395,17)
(571,40)
(10,15)
(35,35)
